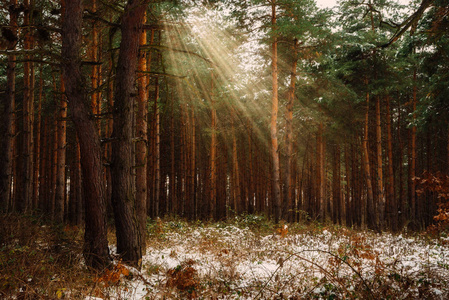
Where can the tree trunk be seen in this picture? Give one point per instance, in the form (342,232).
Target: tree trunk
(7,117)
(273,123)
(412,174)
(95,73)
(392,204)
(157,150)
(370,197)
(235,170)
(321,174)
(26,168)
(61,159)
(380,187)
(172,192)
(129,243)
(288,197)
(213,156)
(37,144)
(96,251)
(336,190)
(142,140)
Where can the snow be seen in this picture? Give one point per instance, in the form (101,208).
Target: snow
(246,264)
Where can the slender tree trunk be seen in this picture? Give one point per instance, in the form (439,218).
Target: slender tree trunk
(96,250)
(447,153)
(252,188)
(172,192)
(213,155)
(7,117)
(141,145)
(413,154)
(235,170)
(371,220)
(129,243)
(53,165)
(61,159)
(336,181)
(157,145)
(321,173)
(349,190)
(43,178)
(288,197)
(37,144)
(380,187)
(273,123)
(392,204)
(193,167)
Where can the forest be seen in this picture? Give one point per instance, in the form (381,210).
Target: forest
(306,139)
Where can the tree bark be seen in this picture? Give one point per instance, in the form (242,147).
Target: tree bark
(96,250)
(61,159)
(392,204)
(129,242)
(26,168)
(288,197)
(321,174)
(141,145)
(412,174)
(371,220)
(7,117)
(37,144)
(380,187)
(273,123)
(213,156)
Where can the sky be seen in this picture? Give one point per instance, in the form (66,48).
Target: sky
(331,3)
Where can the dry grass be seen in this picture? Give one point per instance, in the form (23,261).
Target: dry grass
(39,261)
(245,258)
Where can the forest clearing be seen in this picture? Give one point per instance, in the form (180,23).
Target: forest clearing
(240,149)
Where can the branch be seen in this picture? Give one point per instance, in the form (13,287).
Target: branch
(149,47)
(410,22)
(160,74)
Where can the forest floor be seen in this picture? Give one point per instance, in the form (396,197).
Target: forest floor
(246,258)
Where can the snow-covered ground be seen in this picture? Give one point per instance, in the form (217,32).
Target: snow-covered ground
(227,262)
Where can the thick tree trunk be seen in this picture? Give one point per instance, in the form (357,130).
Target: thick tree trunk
(7,117)
(96,250)
(26,162)
(273,124)
(129,242)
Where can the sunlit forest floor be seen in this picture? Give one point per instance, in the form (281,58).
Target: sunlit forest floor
(247,257)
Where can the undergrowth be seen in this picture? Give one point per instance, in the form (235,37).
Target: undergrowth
(245,257)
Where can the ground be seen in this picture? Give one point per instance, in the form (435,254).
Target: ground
(250,258)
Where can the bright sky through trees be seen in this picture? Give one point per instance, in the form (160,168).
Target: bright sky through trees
(332,3)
